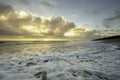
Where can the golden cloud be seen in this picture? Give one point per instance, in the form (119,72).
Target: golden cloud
(23,22)
(14,23)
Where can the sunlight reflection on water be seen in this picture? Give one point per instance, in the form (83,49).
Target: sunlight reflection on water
(59,57)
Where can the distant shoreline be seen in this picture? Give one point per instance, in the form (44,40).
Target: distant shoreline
(112,40)
(109,38)
(28,41)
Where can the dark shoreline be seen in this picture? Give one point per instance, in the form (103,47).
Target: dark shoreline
(115,40)
(117,37)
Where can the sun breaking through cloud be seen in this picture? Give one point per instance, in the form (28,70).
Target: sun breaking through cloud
(25,24)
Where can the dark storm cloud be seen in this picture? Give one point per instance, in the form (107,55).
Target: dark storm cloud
(115,17)
(112,25)
(47,4)
(112,21)
(5,9)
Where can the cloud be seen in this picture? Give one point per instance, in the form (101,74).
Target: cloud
(58,25)
(84,33)
(25,24)
(11,33)
(47,4)
(112,21)
(115,17)
(5,9)
(14,23)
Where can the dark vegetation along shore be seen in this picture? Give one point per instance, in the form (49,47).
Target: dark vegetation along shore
(109,39)
(112,39)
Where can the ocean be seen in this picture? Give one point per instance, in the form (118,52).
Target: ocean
(91,60)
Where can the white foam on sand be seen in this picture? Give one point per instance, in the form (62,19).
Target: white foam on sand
(84,61)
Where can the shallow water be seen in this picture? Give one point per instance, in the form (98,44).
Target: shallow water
(60,60)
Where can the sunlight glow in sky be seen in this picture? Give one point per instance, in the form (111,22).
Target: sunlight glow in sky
(59,18)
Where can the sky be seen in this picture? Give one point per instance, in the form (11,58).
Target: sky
(59,18)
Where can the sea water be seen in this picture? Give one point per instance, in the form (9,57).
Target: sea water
(60,60)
